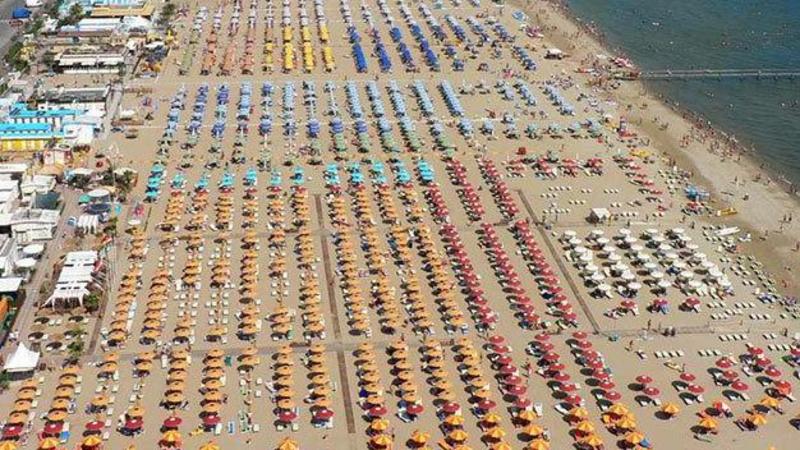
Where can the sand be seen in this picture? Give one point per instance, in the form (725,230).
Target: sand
(549,205)
(729,178)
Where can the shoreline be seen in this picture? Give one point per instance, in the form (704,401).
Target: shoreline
(741,150)
(735,176)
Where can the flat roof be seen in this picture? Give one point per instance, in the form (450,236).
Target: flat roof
(10,284)
(25,127)
(21,111)
(76,95)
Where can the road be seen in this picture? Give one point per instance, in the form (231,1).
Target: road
(6,31)
(53,250)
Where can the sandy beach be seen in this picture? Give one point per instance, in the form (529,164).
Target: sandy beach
(729,175)
(472,254)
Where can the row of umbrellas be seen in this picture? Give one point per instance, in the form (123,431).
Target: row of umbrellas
(125,299)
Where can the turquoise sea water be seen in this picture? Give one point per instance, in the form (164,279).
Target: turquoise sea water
(717,34)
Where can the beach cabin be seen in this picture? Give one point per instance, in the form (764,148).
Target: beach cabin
(27,137)
(599,215)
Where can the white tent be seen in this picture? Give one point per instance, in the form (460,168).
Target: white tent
(88,223)
(23,360)
(599,215)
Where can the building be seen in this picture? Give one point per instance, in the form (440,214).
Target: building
(133,8)
(30,225)
(14,171)
(27,137)
(92,100)
(91,59)
(9,194)
(20,114)
(81,273)
(8,255)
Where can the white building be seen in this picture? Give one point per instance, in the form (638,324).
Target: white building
(77,276)
(30,225)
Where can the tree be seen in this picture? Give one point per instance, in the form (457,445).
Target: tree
(5,381)
(111,227)
(91,302)
(74,15)
(75,349)
(167,13)
(80,181)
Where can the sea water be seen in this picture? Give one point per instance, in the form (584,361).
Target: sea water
(717,34)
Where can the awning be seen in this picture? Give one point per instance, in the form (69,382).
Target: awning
(23,360)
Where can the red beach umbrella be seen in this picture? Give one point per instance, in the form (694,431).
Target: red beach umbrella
(497,339)
(211,420)
(516,390)
(783,386)
(134,424)
(551,357)
(415,409)
(772,372)
(53,428)
(561,376)
(696,389)
(644,379)
(172,422)
(607,385)
(730,374)
(377,411)
(287,416)
(486,404)
(451,407)
(651,391)
(724,363)
(323,414)
(95,425)
(612,396)
(739,385)
(12,431)
(579,335)
(512,380)
(687,377)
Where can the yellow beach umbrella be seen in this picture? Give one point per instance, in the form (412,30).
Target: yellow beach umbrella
(171,436)
(670,409)
(578,412)
(626,423)
(533,430)
(379,425)
(48,443)
(382,440)
(288,444)
(210,445)
(770,402)
(458,435)
(592,440)
(91,441)
(757,419)
(420,437)
(585,427)
(634,437)
(495,433)
(538,444)
(618,409)
(492,418)
(708,423)
(454,420)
